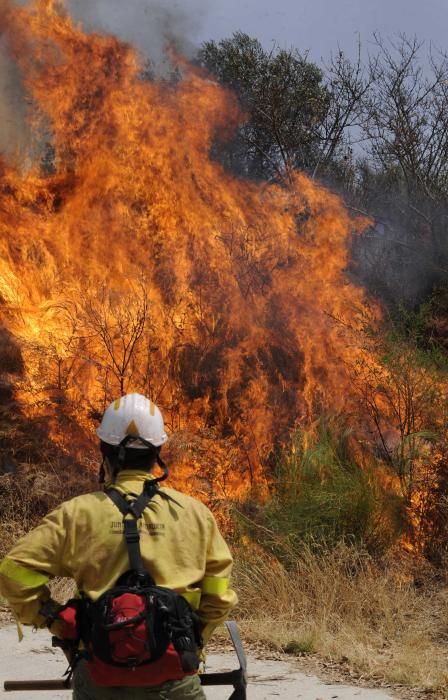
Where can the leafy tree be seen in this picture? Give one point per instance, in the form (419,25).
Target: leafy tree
(285,100)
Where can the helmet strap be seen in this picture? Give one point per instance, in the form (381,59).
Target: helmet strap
(157,479)
(162,466)
(122,450)
(102,472)
(121,455)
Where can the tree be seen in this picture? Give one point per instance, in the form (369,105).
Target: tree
(117,320)
(406,116)
(62,342)
(285,99)
(348,83)
(401,180)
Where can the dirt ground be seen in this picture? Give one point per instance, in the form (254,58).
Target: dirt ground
(34,658)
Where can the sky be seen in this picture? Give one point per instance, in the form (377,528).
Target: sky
(321,26)
(318,26)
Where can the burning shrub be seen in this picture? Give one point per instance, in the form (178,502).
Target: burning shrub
(138,263)
(11,361)
(320,493)
(33,491)
(432,509)
(404,397)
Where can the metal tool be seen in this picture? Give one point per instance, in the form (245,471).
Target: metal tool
(237,678)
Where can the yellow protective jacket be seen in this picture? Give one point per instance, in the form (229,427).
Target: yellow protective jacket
(180,544)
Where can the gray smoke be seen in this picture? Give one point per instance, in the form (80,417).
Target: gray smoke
(147,24)
(15,134)
(150,25)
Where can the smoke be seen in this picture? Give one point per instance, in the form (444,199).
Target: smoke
(150,25)
(15,134)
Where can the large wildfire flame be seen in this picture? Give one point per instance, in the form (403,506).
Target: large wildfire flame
(128,238)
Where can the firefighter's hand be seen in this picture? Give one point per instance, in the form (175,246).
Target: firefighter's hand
(49,610)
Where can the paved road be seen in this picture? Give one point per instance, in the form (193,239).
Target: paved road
(34,658)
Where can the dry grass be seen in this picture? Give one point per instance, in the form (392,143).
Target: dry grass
(34,490)
(340,604)
(28,494)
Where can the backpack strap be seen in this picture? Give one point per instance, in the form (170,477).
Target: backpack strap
(135,509)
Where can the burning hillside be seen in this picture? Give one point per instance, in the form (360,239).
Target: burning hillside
(132,261)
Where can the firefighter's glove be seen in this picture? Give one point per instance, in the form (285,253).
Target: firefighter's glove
(64,621)
(70,615)
(50,611)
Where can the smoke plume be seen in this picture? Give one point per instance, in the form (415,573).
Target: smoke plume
(14,132)
(150,25)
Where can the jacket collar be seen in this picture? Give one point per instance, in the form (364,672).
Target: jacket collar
(130,480)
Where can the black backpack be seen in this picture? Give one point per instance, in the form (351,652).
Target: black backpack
(137,623)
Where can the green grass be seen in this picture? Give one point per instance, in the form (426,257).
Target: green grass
(321,495)
(299,647)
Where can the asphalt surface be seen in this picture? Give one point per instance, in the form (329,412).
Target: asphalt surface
(34,658)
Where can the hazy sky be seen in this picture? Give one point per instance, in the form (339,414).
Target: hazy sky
(320,25)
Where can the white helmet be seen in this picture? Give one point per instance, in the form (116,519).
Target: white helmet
(133,415)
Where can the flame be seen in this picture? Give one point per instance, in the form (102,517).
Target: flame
(242,285)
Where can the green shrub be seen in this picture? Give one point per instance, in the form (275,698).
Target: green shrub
(320,494)
(298,647)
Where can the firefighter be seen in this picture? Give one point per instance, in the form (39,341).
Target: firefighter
(180,546)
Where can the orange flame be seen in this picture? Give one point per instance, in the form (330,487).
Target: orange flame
(241,281)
